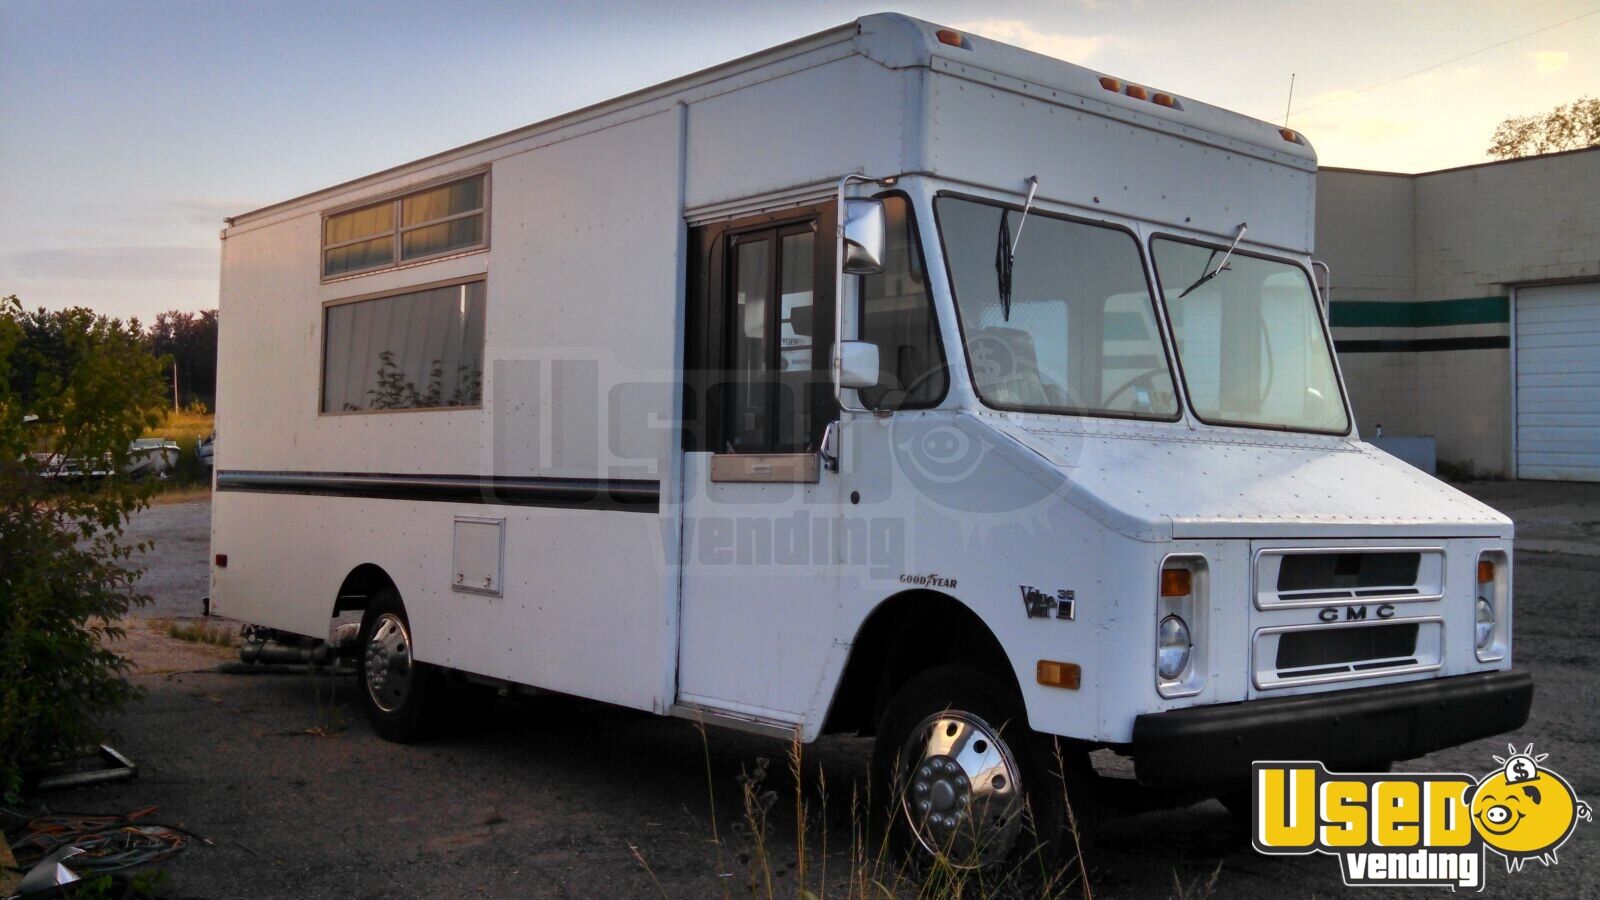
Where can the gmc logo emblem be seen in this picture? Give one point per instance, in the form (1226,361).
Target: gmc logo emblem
(1355,613)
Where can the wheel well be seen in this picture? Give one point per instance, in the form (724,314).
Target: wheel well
(906,634)
(359,586)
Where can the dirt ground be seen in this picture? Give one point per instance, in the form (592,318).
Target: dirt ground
(554,797)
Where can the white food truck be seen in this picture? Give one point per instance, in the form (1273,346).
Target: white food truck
(891,381)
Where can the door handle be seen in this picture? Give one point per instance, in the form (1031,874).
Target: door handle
(830,461)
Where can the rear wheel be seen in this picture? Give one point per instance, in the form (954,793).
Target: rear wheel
(965,780)
(401,695)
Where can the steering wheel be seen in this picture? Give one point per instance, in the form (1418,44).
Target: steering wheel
(1147,378)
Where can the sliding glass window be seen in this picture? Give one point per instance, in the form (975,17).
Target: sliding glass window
(448,218)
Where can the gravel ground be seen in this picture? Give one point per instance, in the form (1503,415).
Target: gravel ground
(555,797)
(178,573)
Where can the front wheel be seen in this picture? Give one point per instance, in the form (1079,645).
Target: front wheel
(401,695)
(966,781)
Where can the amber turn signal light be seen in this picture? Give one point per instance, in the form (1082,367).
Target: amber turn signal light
(1176,582)
(1485,571)
(1059,674)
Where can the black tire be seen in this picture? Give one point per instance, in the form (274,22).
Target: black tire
(1045,841)
(400,716)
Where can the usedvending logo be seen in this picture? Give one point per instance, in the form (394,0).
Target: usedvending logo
(1416,829)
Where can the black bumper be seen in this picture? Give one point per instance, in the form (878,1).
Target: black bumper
(1213,746)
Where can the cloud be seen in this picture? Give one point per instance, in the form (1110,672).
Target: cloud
(174,263)
(1549,62)
(1059,44)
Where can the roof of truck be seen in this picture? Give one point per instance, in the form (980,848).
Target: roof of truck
(898,41)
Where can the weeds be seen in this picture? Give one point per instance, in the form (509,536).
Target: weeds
(869,868)
(331,720)
(204,631)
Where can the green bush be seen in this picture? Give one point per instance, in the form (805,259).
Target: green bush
(66,577)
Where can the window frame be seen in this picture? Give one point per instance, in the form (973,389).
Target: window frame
(1152,287)
(916,239)
(775,233)
(1316,304)
(397,232)
(322,340)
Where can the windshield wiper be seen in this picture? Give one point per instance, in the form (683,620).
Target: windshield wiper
(1221,267)
(1005,252)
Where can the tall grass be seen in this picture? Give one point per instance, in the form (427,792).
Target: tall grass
(870,867)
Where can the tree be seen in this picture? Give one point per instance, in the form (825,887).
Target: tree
(191,340)
(1572,126)
(66,577)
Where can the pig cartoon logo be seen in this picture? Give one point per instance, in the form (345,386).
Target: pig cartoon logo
(1525,811)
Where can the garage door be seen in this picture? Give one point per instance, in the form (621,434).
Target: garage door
(1558,382)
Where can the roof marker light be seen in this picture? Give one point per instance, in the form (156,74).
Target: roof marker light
(1137,92)
(1166,100)
(1110,84)
(953,38)
(1292,137)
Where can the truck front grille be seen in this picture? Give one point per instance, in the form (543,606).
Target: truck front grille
(1292,577)
(1329,651)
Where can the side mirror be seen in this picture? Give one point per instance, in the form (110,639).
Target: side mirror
(858,364)
(865,234)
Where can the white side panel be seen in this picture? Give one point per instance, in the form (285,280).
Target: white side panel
(1558,382)
(582,322)
(810,127)
(578,627)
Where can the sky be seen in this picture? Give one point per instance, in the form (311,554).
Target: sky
(128,130)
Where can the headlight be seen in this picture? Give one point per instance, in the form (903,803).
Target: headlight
(1172,647)
(1485,623)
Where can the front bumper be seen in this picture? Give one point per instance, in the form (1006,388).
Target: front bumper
(1213,746)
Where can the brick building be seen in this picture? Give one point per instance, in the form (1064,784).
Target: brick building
(1466,307)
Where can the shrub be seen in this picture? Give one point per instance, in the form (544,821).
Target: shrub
(66,577)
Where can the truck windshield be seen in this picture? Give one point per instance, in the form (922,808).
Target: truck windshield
(1075,333)
(1251,346)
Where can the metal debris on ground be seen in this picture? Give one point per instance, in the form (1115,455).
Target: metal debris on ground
(109,766)
(106,843)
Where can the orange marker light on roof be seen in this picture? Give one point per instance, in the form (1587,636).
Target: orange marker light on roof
(1137,92)
(953,38)
(1290,136)
(1110,84)
(1164,100)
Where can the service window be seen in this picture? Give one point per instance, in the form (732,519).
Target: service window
(435,221)
(413,350)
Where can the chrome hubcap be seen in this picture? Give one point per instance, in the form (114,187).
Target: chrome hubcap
(388,663)
(963,797)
